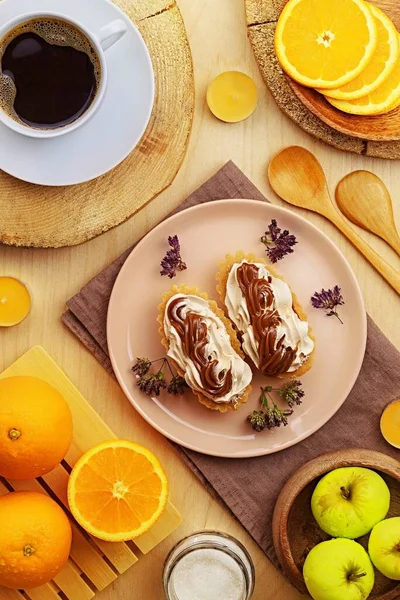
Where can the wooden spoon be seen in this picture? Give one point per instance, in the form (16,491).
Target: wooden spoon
(364,199)
(297,177)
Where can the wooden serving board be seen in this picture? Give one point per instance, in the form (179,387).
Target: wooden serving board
(93,564)
(261,17)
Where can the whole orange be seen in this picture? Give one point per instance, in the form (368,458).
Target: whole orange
(35,427)
(35,539)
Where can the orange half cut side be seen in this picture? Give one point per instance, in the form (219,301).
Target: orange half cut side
(117,490)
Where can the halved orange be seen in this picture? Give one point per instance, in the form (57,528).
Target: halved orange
(382,100)
(325,43)
(117,490)
(382,63)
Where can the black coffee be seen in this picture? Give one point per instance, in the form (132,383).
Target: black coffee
(49,73)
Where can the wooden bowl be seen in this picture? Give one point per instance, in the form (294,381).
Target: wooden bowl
(295,531)
(378,128)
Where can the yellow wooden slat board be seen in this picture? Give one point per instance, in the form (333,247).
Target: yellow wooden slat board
(89,430)
(69,580)
(159,532)
(6,594)
(44,592)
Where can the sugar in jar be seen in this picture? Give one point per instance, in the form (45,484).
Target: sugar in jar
(206,566)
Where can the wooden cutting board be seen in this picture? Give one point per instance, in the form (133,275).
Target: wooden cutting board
(93,564)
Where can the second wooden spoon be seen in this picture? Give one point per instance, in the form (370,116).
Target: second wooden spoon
(365,200)
(297,177)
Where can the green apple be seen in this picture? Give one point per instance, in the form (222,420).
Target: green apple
(348,502)
(384,547)
(339,570)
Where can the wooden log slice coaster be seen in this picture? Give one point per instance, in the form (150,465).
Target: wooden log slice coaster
(261,17)
(32,215)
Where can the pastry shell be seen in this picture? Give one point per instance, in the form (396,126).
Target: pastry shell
(183,289)
(222,279)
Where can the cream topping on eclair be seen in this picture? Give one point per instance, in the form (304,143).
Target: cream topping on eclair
(200,345)
(261,306)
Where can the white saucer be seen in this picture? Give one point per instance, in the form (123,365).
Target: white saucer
(115,129)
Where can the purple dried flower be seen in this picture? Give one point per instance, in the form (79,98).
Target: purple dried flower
(142,366)
(257,420)
(278,243)
(152,383)
(272,416)
(277,417)
(291,393)
(328,300)
(177,386)
(172,261)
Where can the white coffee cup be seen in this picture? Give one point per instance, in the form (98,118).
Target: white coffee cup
(103,39)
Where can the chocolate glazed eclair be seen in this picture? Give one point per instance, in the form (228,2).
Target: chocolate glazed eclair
(270,321)
(204,348)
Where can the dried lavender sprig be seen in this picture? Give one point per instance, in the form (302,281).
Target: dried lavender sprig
(328,300)
(278,243)
(291,393)
(257,420)
(172,261)
(177,386)
(271,416)
(278,417)
(151,383)
(142,366)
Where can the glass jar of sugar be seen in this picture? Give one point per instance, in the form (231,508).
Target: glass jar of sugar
(208,566)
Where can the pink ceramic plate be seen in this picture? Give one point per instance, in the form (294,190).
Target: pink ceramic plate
(208,232)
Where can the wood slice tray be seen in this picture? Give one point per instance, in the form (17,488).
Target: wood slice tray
(261,17)
(51,217)
(295,531)
(93,564)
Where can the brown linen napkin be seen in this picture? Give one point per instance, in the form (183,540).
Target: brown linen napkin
(249,487)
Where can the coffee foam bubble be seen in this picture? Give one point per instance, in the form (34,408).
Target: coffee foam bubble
(53,31)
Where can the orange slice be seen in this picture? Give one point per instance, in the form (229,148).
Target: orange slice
(382,63)
(325,43)
(382,100)
(117,490)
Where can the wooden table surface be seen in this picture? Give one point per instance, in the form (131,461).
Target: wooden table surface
(217,35)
